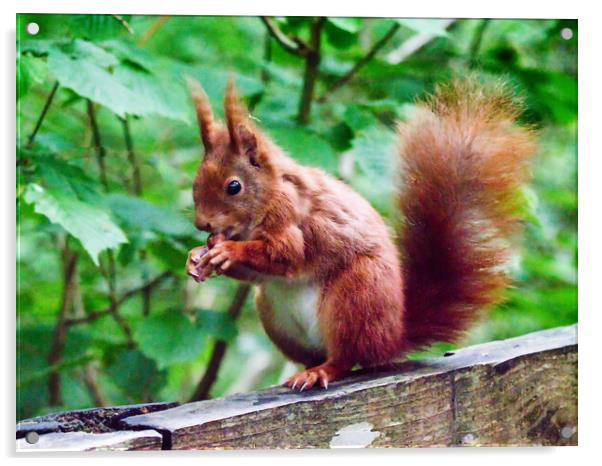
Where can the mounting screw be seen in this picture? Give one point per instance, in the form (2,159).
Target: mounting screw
(32,437)
(32,28)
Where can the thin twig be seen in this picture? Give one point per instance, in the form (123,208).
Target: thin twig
(111,274)
(360,63)
(120,19)
(93,315)
(131,155)
(90,379)
(295,46)
(413,44)
(310,75)
(220,346)
(49,100)
(89,372)
(475,45)
(267,57)
(137,190)
(150,32)
(98,146)
(59,335)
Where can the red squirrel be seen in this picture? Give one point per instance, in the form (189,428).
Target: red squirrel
(335,288)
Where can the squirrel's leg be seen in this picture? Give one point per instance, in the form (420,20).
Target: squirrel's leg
(361,317)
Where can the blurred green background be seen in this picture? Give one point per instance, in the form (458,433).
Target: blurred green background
(108,146)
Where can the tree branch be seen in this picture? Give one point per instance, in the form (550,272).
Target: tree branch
(131,155)
(360,63)
(93,315)
(475,45)
(69,260)
(90,374)
(312,64)
(219,348)
(295,46)
(98,146)
(137,190)
(38,125)
(112,266)
(267,57)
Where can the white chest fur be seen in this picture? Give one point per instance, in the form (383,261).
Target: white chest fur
(293,311)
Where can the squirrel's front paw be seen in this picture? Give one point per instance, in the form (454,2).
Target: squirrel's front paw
(221,257)
(194,268)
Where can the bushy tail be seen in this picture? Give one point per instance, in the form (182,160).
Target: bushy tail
(464,157)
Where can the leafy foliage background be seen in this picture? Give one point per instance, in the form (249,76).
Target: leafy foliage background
(105,312)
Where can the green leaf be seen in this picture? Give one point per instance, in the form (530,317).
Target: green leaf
(214,82)
(91,225)
(169,338)
(90,80)
(217,324)
(139,214)
(341,32)
(350,25)
(373,154)
(85,50)
(159,96)
(136,375)
(69,198)
(436,27)
(305,146)
(98,26)
(30,69)
(125,88)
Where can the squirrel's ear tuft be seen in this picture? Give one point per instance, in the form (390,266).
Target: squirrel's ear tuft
(234,111)
(203,112)
(247,143)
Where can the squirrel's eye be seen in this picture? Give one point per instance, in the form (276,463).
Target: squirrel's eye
(234,187)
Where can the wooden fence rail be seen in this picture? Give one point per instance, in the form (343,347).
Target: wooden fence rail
(520,391)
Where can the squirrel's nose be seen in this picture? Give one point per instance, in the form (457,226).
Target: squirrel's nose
(204,226)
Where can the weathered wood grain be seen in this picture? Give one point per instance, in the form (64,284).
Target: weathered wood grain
(89,429)
(521,391)
(86,441)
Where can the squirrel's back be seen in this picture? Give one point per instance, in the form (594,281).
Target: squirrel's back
(464,160)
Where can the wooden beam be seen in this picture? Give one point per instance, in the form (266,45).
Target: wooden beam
(521,391)
(516,392)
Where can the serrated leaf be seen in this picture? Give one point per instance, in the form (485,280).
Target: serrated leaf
(90,80)
(305,146)
(169,338)
(91,225)
(68,197)
(158,96)
(84,50)
(93,73)
(139,214)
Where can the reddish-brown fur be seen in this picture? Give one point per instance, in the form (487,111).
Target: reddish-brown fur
(464,159)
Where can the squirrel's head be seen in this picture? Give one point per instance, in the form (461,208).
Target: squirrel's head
(233,181)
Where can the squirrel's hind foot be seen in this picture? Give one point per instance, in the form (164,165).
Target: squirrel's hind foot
(321,375)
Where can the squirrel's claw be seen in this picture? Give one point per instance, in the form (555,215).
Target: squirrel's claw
(321,375)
